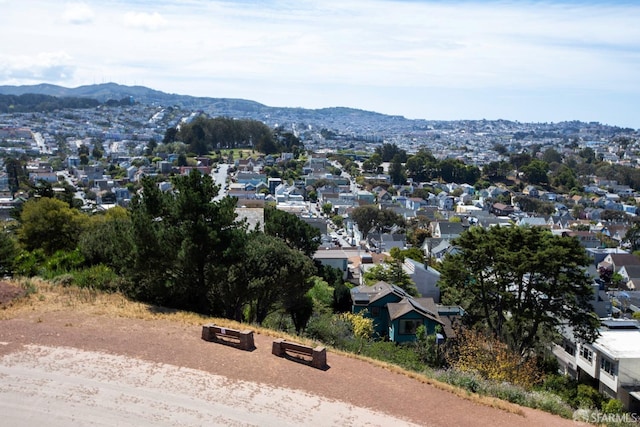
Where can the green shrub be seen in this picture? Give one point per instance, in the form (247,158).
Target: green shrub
(475,383)
(588,397)
(401,355)
(64,280)
(563,386)
(613,406)
(549,402)
(333,330)
(28,264)
(279,320)
(467,380)
(61,262)
(507,391)
(322,295)
(99,277)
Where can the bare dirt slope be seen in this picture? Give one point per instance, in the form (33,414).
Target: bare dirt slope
(67,367)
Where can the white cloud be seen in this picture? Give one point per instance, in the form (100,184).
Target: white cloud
(145,21)
(77,13)
(45,66)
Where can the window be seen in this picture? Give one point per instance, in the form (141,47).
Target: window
(409,327)
(375,311)
(608,366)
(570,348)
(586,354)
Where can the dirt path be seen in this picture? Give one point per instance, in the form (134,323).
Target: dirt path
(74,369)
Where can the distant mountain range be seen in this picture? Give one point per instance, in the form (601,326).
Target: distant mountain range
(348,120)
(113,91)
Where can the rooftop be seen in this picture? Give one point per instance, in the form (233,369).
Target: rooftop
(619,344)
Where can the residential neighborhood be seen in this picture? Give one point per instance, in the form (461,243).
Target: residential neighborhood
(98,158)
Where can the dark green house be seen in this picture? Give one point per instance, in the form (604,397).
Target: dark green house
(406,316)
(396,315)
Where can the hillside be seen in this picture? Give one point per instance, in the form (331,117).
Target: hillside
(78,356)
(240,107)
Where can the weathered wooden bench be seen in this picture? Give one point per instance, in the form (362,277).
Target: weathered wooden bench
(317,356)
(240,339)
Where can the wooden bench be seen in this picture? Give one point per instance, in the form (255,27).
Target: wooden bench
(240,339)
(316,356)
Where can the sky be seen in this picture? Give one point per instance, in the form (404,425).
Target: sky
(527,61)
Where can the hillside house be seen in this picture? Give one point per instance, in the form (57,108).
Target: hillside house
(396,315)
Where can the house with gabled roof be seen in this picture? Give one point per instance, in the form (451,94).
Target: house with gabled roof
(250,178)
(415,203)
(579,200)
(500,209)
(494,192)
(405,190)
(631,276)
(615,261)
(587,239)
(468,189)
(386,241)
(446,229)
(531,191)
(365,197)
(435,248)
(533,221)
(396,315)
(445,202)
(384,196)
(616,231)
(406,316)
(374,299)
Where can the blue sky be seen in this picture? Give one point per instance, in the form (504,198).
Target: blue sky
(531,61)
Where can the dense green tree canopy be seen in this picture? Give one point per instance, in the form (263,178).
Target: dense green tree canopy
(391,272)
(388,151)
(536,172)
(269,275)
(180,242)
(296,233)
(108,239)
(453,170)
(520,284)
(633,237)
(8,252)
(370,218)
(423,166)
(396,171)
(372,164)
(16,172)
(49,224)
(30,102)
(204,135)
(551,155)
(497,170)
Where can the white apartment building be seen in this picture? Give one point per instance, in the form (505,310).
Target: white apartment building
(611,363)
